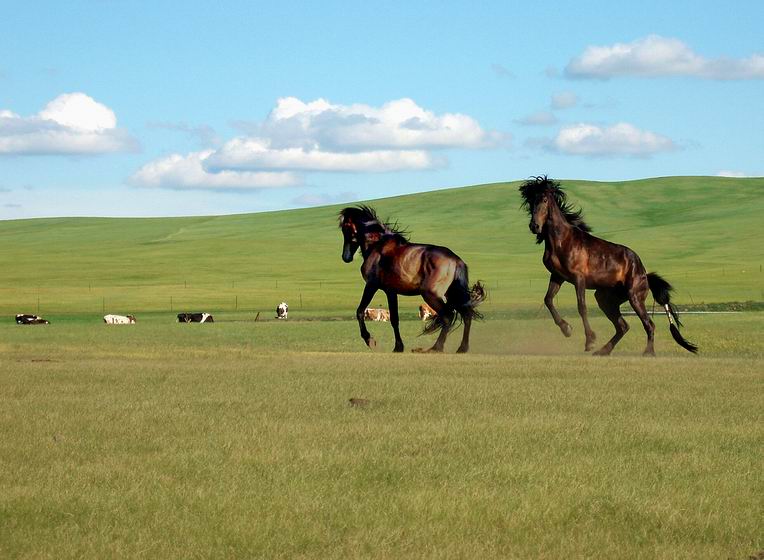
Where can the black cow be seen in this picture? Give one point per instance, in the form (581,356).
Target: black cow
(195,318)
(24,319)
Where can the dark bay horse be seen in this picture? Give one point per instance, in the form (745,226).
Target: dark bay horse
(394,265)
(613,271)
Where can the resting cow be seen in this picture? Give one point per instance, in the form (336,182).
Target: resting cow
(119,319)
(24,319)
(376,314)
(282,310)
(195,318)
(425,312)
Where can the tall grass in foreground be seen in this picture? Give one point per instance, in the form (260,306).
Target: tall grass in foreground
(236,440)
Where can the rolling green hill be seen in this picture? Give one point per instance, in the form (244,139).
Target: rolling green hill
(702,233)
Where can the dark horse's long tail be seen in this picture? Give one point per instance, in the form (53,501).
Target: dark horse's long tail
(662,293)
(461,302)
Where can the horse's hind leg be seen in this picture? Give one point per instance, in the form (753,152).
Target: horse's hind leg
(610,303)
(443,316)
(464,347)
(554,286)
(637,298)
(392,304)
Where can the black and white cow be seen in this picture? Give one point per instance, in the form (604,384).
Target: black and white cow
(282,310)
(24,319)
(195,318)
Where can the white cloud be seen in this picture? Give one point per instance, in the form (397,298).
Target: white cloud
(654,56)
(399,124)
(729,173)
(258,154)
(319,136)
(71,124)
(622,139)
(563,100)
(187,173)
(540,118)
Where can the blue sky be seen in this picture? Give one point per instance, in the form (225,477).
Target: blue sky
(177,108)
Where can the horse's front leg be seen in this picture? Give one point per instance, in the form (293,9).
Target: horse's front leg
(554,286)
(581,298)
(392,305)
(368,295)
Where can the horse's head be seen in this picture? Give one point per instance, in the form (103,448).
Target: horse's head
(540,196)
(351,233)
(540,211)
(362,228)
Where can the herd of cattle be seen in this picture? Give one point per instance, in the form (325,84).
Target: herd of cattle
(282,312)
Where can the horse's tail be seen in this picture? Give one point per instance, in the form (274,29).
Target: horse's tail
(461,302)
(662,293)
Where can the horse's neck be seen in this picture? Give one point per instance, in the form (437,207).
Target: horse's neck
(367,246)
(378,245)
(558,228)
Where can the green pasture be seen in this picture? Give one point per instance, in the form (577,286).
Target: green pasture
(236,439)
(702,233)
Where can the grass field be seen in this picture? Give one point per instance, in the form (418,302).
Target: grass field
(236,439)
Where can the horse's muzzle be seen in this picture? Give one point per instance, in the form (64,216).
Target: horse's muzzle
(347,256)
(533,226)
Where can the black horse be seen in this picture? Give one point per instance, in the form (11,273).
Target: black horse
(394,265)
(613,271)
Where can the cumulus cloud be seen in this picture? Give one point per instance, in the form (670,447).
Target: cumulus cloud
(621,139)
(319,136)
(399,124)
(654,56)
(187,173)
(259,154)
(71,124)
(540,118)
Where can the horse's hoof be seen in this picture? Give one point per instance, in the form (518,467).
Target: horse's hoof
(461,350)
(371,343)
(398,349)
(649,354)
(566,330)
(601,352)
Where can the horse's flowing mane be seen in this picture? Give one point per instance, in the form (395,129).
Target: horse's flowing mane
(532,189)
(367,220)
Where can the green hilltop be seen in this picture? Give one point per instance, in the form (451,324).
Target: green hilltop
(704,234)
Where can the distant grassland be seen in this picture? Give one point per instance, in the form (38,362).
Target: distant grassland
(704,234)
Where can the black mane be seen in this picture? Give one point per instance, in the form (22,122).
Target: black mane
(531,190)
(366,219)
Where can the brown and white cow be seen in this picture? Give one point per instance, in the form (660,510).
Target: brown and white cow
(119,319)
(376,314)
(426,312)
